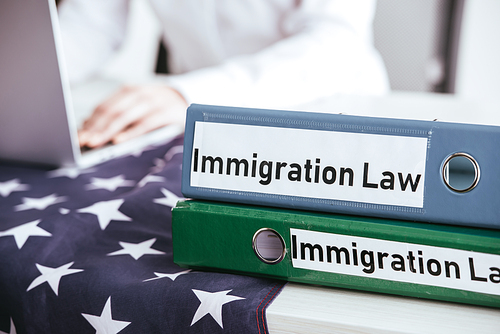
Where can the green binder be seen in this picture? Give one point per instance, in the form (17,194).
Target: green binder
(431,261)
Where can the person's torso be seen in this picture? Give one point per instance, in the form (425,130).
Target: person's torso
(201,33)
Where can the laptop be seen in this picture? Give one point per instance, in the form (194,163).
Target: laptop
(37,119)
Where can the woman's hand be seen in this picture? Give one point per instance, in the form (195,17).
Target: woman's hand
(131,112)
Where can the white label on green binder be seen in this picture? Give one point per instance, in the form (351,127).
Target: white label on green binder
(395,261)
(332,165)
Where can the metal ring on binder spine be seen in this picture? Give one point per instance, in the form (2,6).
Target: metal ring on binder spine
(445,172)
(270,233)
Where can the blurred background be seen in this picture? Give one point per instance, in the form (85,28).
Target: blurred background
(443,46)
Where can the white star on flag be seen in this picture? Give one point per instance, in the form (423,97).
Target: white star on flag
(52,276)
(69,172)
(139,151)
(8,187)
(39,203)
(150,178)
(159,164)
(110,184)
(12,328)
(173,151)
(104,323)
(64,211)
(22,232)
(211,303)
(171,276)
(170,198)
(137,250)
(106,211)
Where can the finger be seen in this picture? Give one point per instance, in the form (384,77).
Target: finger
(155,119)
(126,109)
(157,104)
(83,138)
(107,110)
(152,121)
(119,117)
(121,122)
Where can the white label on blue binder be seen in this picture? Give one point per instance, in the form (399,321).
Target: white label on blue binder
(395,261)
(332,165)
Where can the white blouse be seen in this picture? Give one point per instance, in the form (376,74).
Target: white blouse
(259,53)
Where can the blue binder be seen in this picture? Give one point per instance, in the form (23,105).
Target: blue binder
(425,171)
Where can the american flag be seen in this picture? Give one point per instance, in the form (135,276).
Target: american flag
(90,251)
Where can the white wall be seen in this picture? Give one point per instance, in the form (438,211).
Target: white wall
(407,35)
(478,69)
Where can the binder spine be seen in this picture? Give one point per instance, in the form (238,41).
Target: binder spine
(411,259)
(387,168)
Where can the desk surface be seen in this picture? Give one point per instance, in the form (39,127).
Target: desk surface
(412,105)
(313,309)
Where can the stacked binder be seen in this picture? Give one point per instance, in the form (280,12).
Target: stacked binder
(395,206)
